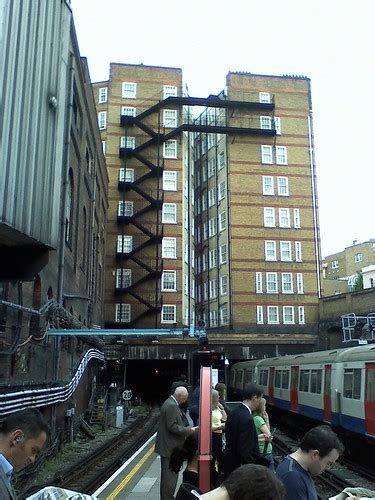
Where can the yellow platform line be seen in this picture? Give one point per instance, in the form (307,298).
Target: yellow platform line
(127,478)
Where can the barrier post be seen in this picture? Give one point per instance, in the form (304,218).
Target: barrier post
(204,459)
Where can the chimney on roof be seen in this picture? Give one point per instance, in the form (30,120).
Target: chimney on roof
(355,242)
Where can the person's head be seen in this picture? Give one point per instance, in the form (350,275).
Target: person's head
(252,395)
(321,448)
(188,451)
(250,482)
(222,390)
(214,398)
(182,377)
(22,436)
(261,407)
(181,394)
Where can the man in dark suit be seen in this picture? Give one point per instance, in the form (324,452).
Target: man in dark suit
(171,432)
(240,433)
(22,436)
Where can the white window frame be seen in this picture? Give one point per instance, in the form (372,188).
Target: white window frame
(269,218)
(104,147)
(273,321)
(211,168)
(123,278)
(221,160)
(102,120)
(165,284)
(221,191)
(291,310)
(283,186)
(223,252)
(212,227)
(284,217)
(265,97)
(129,90)
(296,218)
(222,221)
(270,252)
(212,258)
(125,208)
(268,185)
(103,95)
(286,251)
(335,264)
(124,242)
(258,282)
(169,91)
(281,153)
(224,318)
(123,313)
(299,282)
(169,248)
(301,315)
(272,279)
(213,289)
(277,125)
(169,213)
(358,257)
(260,316)
(266,154)
(170,118)
(211,197)
(287,283)
(170,149)
(224,285)
(213,318)
(265,122)
(127,142)
(169,180)
(128,111)
(170,311)
(298,251)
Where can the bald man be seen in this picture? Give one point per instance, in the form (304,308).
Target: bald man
(171,433)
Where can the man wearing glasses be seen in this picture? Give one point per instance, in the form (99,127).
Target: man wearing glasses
(319,449)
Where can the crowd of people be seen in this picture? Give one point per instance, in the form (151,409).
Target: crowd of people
(242,464)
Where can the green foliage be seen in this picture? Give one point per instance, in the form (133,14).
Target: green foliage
(358,284)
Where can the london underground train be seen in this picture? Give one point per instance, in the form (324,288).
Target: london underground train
(336,387)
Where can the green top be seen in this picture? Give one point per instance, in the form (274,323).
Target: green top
(259,421)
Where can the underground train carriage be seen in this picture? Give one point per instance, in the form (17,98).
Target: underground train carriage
(335,387)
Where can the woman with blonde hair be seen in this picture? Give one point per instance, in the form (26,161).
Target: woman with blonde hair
(262,426)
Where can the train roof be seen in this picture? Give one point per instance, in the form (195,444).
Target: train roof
(361,353)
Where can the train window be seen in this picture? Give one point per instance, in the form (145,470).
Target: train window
(249,376)
(352,383)
(239,377)
(263,377)
(278,378)
(370,388)
(285,379)
(304,380)
(316,381)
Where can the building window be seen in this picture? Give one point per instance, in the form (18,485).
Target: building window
(222,221)
(102,120)
(211,197)
(212,227)
(168,281)
(169,91)
(103,95)
(272,314)
(123,278)
(268,185)
(266,153)
(69,208)
(124,244)
(277,125)
(170,118)
(223,285)
(221,160)
(224,318)
(301,315)
(286,283)
(127,142)
(258,283)
(213,289)
(129,90)
(123,313)
(281,155)
(296,218)
(286,251)
(271,282)
(212,258)
(284,217)
(125,208)
(211,168)
(288,315)
(265,122)
(103,147)
(270,250)
(126,175)
(335,264)
(128,111)
(168,250)
(213,318)
(221,190)
(298,251)
(223,254)
(169,180)
(282,186)
(265,97)
(269,217)
(260,319)
(170,149)
(358,257)
(300,283)
(168,314)
(169,213)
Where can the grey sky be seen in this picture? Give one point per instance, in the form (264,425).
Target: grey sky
(330,41)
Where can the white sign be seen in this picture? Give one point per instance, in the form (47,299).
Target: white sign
(215,376)
(127,395)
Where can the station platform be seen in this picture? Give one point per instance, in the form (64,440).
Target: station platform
(138,478)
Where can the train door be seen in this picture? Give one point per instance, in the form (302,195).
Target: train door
(294,389)
(327,412)
(370,398)
(270,384)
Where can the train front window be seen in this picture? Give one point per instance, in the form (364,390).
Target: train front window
(352,383)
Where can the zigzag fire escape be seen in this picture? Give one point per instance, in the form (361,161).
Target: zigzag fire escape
(150,267)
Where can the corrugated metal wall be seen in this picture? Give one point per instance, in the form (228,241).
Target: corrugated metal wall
(34,48)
